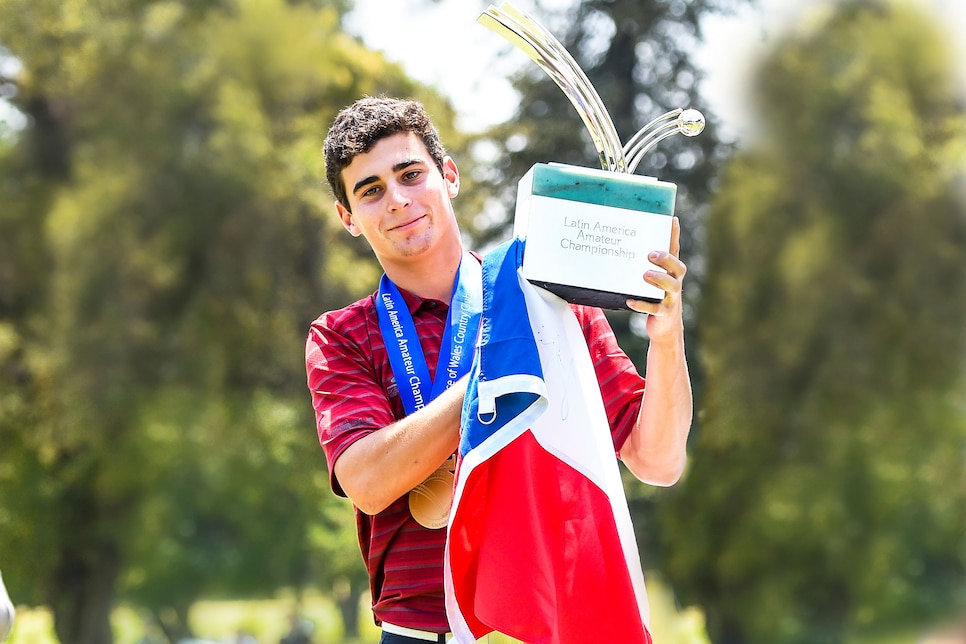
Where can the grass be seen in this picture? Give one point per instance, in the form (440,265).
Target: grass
(267,620)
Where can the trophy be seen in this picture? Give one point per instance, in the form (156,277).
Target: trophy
(588,231)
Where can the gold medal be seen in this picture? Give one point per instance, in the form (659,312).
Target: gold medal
(431,500)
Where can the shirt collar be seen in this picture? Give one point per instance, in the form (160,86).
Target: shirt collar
(414,302)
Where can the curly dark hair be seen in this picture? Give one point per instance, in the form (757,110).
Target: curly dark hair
(358,127)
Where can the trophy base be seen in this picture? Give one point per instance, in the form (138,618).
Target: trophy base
(591,297)
(588,233)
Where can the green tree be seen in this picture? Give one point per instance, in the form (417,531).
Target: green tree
(166,244)
(825,497)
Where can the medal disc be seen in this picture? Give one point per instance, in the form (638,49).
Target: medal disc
(431,500)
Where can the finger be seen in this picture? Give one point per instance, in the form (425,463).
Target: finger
(674,266)
(664,281)
(675,248)
(642,306)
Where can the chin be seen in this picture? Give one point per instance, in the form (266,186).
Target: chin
(414,249)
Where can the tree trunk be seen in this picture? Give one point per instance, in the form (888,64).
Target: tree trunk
(347,598)
(722,629)
(82,593)
(173,622)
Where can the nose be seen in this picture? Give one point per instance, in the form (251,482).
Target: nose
(398,196)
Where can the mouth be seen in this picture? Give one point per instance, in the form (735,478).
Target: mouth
(410,223)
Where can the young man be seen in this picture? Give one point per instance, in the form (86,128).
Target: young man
(382,432)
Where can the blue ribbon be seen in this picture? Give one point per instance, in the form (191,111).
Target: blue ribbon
(459,339)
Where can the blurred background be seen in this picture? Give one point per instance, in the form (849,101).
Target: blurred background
(166,238)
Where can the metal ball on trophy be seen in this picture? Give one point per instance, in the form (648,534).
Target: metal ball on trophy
(588,231)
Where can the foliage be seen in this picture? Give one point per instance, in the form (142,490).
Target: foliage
(826,492)
(169,244)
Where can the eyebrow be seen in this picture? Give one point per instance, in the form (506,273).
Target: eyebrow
(402,165)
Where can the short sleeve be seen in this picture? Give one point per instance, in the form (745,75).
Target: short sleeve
(621,386)
(347,390)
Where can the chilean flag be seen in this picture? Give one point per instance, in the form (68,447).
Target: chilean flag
(540,544)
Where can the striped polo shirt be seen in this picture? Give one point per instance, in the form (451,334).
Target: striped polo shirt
(354,393)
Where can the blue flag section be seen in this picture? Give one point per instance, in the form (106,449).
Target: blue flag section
(517,382)
(402,342)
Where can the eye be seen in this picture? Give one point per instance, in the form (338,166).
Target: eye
(412,175)
(369,192)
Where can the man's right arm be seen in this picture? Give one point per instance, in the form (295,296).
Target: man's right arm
(387,463)
(374,457)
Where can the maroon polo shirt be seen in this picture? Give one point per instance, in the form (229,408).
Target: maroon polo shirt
(354,393)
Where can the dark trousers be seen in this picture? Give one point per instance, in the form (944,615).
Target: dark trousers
(392,638)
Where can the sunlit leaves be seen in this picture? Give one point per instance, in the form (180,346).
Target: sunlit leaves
(825,495)
(171,240)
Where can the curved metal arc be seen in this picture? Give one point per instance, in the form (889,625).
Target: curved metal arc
(644,145)
(644,131)
(689,122)
(549,61)
(637,157)
(539,54)
(606,123)
(549,54)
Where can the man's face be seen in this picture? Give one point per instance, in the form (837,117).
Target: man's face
(399,200)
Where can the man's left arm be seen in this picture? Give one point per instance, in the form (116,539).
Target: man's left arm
(656,450)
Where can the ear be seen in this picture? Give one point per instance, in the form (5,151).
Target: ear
(451,175)
(346,216)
